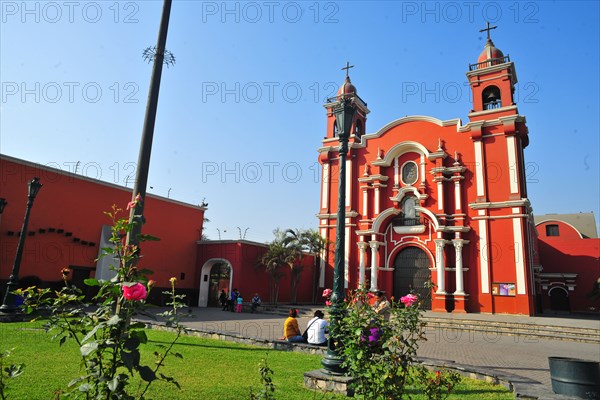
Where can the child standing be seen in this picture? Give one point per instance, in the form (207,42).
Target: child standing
(239,300)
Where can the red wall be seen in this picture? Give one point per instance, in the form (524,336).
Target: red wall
(76,205)
(570,253)
(249,276)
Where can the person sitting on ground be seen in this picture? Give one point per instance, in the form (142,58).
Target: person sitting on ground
(255,302)
(382,305)
(317,328)
(291,331)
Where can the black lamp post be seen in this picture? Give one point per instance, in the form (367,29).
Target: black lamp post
(344,115)
(8,305)
(159,56)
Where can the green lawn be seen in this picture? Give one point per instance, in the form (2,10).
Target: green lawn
(210,369)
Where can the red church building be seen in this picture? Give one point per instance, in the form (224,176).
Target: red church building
(423,202)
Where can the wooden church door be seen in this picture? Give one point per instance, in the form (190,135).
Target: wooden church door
(411,272)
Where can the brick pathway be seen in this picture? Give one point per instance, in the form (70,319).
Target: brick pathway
(515,355)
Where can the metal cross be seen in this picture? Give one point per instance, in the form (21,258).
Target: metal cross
(488,29)
(347,67)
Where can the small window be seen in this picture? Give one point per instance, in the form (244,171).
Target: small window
(552,230)
(491,98)
(358,128)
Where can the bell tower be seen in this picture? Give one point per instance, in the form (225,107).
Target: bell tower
(360,118)
(492,79)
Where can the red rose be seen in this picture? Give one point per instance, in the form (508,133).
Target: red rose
(135,292)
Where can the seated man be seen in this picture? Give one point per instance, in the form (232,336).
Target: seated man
(316,329)
(255,302)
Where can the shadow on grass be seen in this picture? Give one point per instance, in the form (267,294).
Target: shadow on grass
(208,346)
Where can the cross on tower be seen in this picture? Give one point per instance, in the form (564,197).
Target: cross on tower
(488,29)
(347,67)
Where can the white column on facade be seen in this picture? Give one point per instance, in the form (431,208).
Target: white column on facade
(325,186)
(376,201)
(396,172)
(440,265)
(458,246)
(519,252)
(422,169)
(512,164)
(362,254)
(347,255)
(374,269)
(457,197)
(479,174)
(483,254)
(440,191)
(365,208)
(349,182)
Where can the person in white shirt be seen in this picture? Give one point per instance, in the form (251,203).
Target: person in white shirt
(316,329)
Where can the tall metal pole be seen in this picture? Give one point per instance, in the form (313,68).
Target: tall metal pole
(143,164)
(8,305)
(344,113)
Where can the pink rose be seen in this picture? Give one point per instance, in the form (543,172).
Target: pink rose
(135,292)
(370,295)
(328,303)
(409,300)
(134,202)
(327,292)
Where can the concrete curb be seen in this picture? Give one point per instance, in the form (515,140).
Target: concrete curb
(521,387)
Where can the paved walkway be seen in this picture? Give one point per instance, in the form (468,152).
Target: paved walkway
(526,358)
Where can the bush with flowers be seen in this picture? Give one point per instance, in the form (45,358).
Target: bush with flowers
(109,341)
(379,352)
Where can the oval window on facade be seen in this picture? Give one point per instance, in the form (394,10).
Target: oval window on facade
(409,173)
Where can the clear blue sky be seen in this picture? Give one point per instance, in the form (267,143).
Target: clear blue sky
(240,115)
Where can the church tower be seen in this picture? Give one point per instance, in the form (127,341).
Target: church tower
(492,79)
(502,210)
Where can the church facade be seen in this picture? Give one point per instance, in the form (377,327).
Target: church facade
(438,201)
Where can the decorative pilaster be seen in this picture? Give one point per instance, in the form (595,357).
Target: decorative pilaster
(362,254)
(458,246)
(440,265)
(374,269)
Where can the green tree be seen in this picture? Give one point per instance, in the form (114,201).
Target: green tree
(278,255)
(306,241)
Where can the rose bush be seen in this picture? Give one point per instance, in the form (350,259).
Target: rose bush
(109,340)
(381,353)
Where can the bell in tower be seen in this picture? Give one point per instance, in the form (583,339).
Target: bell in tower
(492,79)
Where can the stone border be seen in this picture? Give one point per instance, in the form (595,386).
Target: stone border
(521,387)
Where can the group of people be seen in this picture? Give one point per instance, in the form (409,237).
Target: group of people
(317,327)
(235,301)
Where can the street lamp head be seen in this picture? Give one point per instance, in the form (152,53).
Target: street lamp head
(3,204)
(344,112)
(34,187)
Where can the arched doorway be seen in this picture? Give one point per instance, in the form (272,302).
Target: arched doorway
(411,273)
(559,299)
(216,274)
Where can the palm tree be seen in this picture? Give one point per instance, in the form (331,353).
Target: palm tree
(309,241)
(276,256)
(304,241)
